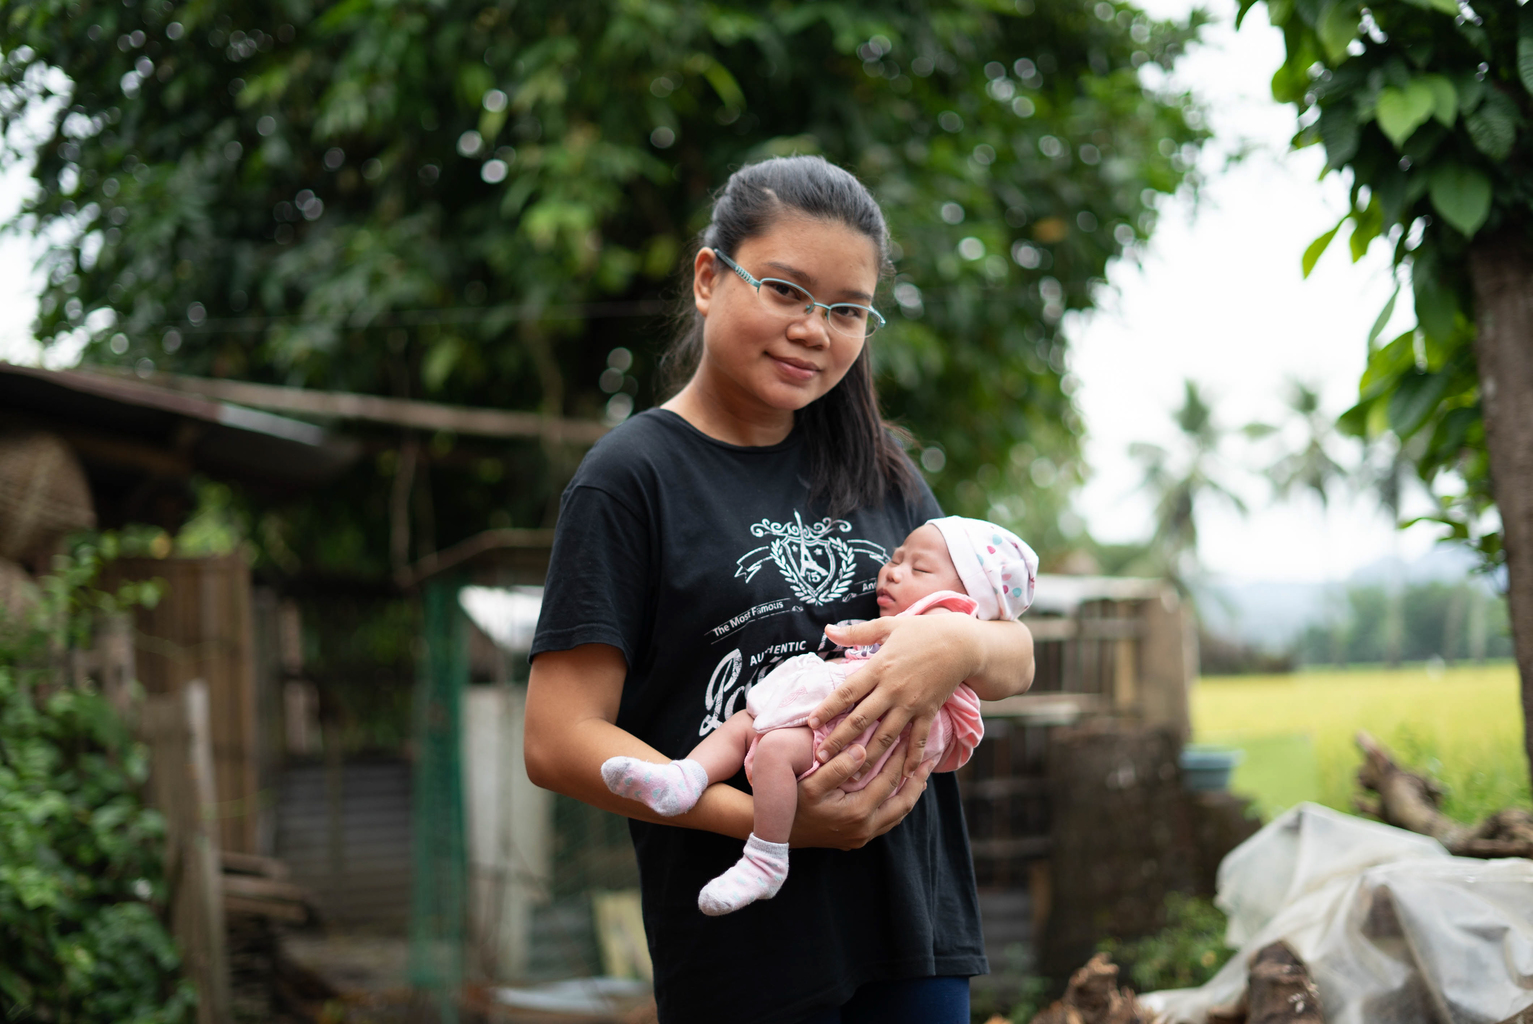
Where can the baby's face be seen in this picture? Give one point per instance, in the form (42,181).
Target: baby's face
(919,567)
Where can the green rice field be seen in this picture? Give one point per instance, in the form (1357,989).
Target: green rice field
(1462,725)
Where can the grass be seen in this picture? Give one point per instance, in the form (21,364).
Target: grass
(1462,725)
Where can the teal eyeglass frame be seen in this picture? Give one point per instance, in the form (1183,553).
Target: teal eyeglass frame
(875,318)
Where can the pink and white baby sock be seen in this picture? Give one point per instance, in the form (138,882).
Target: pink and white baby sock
(667,789)
(757,875)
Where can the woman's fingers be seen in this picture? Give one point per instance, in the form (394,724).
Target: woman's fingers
(832,773)
(844,696)
(920,732)
(894,809)
(872,707)
(891,728)
(829,816)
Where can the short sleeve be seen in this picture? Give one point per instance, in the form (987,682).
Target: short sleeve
(599,577)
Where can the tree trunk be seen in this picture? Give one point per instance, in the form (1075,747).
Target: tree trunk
(1502,270)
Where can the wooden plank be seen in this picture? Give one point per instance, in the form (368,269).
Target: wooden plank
(256,888)
(1110,629)
(1046,708)
(175,728)
(1168,661)
(252,864)
(399,412)
(202,629)
(1044,630)
(277,911)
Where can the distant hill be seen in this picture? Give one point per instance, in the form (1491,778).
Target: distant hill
(1271,614)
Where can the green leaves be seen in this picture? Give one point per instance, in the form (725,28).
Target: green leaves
(1493,126)
(1339,132)
(1415,398)
(1401,111)
(1461,195)
(1337,27)
(1525,48)
(1444,99)
(1317,248)
(81,878)
(417,181)
(1382,320)
(1450,98)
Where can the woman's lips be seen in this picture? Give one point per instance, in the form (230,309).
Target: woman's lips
(794,369)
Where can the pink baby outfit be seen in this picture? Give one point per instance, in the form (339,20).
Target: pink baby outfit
(790,692)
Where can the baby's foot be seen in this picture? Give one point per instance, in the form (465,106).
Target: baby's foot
(757,875)
(667,789)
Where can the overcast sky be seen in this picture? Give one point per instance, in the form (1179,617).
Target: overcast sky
(1218,299)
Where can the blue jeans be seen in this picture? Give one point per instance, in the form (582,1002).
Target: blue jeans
(942,1000)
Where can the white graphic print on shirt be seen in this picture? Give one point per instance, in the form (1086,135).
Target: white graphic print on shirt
(819,567)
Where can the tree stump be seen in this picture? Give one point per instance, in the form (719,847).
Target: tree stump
(1093,997)
(1280,989)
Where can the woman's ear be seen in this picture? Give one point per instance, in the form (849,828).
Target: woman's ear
(705,278)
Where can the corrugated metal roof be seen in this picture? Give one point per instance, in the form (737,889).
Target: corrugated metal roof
(217,438)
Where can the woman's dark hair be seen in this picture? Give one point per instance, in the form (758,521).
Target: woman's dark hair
(855,459)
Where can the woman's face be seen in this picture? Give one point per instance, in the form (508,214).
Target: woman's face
(756,361)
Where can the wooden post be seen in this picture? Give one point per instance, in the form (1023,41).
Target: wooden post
(181,788)
(1167,663)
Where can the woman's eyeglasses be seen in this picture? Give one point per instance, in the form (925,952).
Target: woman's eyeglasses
(790,300)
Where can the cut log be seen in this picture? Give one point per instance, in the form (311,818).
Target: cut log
(1408,800)
(1093,997)
(1281,991)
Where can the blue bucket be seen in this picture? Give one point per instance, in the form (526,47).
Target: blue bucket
(1207,769)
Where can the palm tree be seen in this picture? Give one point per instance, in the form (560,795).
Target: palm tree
(1311,466)
(1179,481)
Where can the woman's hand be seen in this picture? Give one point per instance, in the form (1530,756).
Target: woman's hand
(922,660)
(831,817)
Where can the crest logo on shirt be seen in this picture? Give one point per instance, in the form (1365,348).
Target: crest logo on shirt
(819,566)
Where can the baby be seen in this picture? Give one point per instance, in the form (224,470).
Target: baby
(952,564)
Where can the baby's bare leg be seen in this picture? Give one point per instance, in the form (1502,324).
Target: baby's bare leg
(723,751)
(781,758)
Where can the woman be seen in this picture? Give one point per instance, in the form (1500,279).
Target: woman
(700,544)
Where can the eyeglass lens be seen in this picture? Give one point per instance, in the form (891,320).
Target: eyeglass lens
(788,299)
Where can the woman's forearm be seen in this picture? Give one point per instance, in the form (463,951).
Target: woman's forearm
(572,699)
(570,763)
(1004,655)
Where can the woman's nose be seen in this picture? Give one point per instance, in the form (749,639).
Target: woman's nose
(811,329)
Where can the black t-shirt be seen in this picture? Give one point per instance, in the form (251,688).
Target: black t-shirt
(704,564)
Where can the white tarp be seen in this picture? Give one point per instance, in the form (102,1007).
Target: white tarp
(507,615)
(1393,928)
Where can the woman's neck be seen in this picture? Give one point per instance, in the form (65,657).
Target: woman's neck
(746,424)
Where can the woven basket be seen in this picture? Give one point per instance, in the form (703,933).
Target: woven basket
(43,494)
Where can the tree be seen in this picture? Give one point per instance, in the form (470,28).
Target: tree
(1179,481)
(1310,466)
(1426,103)
(487,203)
